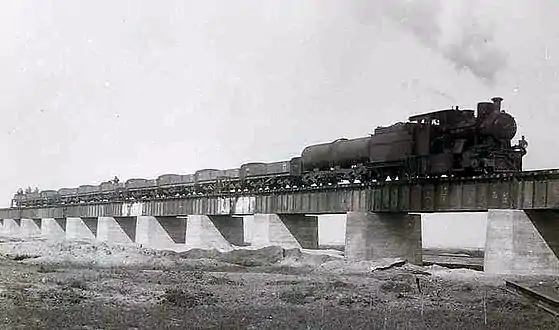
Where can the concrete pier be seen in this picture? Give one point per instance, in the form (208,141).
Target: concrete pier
(12,227)
(161,232)
(53,228)
(214,232)
(522,242)
(116,230)
(285,230)
(81,228)
(30,227)
(371,236)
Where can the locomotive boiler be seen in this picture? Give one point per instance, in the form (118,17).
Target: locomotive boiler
(445,142)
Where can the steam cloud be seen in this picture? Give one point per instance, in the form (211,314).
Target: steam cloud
(452,29)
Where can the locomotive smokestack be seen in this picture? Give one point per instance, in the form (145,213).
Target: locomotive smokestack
(497,102)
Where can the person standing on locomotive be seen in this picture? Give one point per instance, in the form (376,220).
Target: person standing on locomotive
(522,145)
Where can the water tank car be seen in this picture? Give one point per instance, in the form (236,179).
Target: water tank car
(388,144)
(341,152)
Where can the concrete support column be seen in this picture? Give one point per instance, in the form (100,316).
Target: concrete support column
(30,227)
(161,232)
(117,229)
(285,230)
(214,232)
(522,242)
(53,228)
(12,227)
(371,236)
(248,224)
(81,228)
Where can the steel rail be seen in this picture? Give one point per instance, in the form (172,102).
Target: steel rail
(529,175)
(545,302)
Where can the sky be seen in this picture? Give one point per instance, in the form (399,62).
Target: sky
(94,89)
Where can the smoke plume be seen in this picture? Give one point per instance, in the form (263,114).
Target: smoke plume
(453,29)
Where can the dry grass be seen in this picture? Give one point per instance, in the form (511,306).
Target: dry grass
(205,294)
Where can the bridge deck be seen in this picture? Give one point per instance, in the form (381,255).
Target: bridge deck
(527,190)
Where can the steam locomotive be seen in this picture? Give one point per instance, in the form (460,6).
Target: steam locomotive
(448,142)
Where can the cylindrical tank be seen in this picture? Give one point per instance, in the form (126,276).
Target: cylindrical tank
(342,152)
(316,156)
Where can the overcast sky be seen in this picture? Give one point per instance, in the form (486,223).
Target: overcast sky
(94,89)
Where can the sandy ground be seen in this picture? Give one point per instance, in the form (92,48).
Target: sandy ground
(91,285)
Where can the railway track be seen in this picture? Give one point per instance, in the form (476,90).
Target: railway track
(525,175)
(543,301)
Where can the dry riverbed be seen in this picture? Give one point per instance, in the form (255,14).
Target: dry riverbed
(85,285)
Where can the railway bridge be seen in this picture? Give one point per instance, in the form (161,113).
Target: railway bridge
(383,220)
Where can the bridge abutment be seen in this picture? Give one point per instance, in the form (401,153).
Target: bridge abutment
(522,242)
(285,230)
(371,236)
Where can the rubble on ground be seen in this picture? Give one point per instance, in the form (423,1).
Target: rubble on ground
(91,253)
